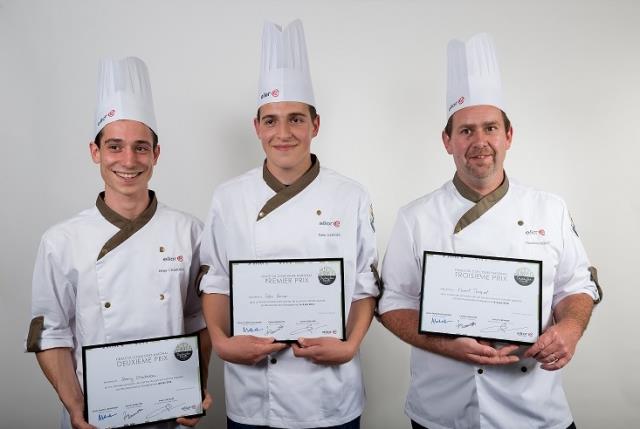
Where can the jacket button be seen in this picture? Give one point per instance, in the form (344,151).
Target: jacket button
(107,305)
(274,360)
(161,296)
(523,369)
(480,370)
(261,214)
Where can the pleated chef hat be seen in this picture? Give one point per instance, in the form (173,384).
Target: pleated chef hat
(284,68)
(124,92)
(473,75)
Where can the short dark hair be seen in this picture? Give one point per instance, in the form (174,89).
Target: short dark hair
(449,127)
(99,137)
(312,112)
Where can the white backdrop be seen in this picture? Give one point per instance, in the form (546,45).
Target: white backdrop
(571,73)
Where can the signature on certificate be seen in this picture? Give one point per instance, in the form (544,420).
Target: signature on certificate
(165,408)
(440,321)
(128,415)
(503,326)
(102,417)
(462,325)
(309,328)
(272,329)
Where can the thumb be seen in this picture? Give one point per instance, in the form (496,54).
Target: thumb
(264,340)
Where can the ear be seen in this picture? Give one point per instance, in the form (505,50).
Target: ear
(316,125)
(256,126)
(509,138)
(446,140)
(95,152)
(156,154)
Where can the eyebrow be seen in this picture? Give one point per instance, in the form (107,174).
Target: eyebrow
(289,115)
(118,140)
(484,124)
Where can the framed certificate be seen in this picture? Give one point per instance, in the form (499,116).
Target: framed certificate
(136,382)
(288,298)
(482,297)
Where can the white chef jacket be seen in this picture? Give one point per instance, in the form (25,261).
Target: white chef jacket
(330,217)
(527,224)
(141,288)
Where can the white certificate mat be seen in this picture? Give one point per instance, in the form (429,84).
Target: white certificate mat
(136,382)
(482,297)
(287,298)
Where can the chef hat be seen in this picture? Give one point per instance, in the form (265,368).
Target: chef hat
(473,76)
(124,92)
(284,69)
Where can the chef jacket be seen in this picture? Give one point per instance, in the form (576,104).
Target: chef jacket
(514,221)
(100,278)
(321,215)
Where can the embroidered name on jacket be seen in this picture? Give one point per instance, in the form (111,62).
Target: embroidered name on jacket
(537,236)
(329,228)
(170,264)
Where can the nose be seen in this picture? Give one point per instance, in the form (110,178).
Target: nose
(284,130)
(129,157)
(479,138)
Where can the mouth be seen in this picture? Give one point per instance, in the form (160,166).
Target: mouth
(127,175)
(283,148)
(481,156)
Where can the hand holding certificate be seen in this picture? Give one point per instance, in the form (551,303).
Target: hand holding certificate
(481,297)
(137,382)
(287,299)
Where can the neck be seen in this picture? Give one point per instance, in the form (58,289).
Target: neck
(129,207)
(483,186)
(287,176)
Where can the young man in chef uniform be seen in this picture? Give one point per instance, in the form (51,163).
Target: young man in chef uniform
(460,382)
(124,269)
(290,208)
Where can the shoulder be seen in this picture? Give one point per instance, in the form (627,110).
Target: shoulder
(535,197)
(333,180)
(74,226)
(179,217)
(436,198)
(238,184)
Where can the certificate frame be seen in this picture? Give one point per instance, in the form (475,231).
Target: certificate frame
(537,307)
(193,353)
(239,262)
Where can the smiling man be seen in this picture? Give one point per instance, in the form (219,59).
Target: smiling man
(290,208)
(464,382)
(124,269)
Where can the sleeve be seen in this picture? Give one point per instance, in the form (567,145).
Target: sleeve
(401,270)
(53,303)
(213,255)
(574,272)
(193,318)
(367,279)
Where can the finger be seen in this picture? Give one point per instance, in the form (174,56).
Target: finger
(543,342)
(484,351)
(494,360)
(309,342)
(262,340)
(184,421)
(303,351)
(208,401)
(555,365)
(507,350)
(274,347)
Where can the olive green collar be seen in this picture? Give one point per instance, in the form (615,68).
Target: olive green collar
(127,227)
(482,203)
(286,192)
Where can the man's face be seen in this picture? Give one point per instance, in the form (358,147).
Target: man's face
(126,157)
(285,130)
(478,143)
